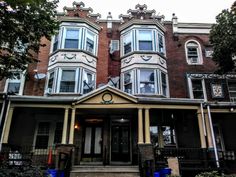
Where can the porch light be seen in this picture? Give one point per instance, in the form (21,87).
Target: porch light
(231,109)
(76,126)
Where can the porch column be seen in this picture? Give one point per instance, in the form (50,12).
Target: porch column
(208,131)
(140,126)
(65,124)
(72,127)
(7,125)
(147,127)
(201,129)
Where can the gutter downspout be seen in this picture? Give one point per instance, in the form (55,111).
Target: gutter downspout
(213,137)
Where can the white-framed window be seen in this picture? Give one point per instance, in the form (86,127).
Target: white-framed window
(15,85)
(90,41)
(70,80)
(145,40)
(193,52)
(128,82)
(147,81)
(142,38)
(67,80)
(197,88)
(88,81)
(232,90)
(127,43)
(144,81)
(47,133)
(71,40)
(114,46)
(55,42)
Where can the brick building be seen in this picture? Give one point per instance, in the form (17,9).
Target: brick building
(138,91)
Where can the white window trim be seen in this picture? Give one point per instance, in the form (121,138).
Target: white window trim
(53,84)
(22,83)
(152,39)
(59,79)
(83,76)
(64,36)
(122,42)
(167,84)
(199,51)
(52,128)
(191,88)
(132,81)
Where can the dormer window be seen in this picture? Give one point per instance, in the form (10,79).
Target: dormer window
(193,53)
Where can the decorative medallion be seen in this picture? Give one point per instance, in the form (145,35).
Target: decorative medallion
(107,98)
(216,90)
(69,56)
(146,58)
(162,61)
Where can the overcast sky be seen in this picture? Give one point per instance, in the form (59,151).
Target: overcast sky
(186,10)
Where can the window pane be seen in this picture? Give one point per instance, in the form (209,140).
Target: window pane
(72,38)
(164,84)
(128,82)
(168,135)
(50,81)
(55,44)
(160,43)
(145,35)
(145,45)
(67,81)
(127,43)
(42,135)
(197,89)
(232,90)
(89,45)
(88,82)
(147,81)
(13,87)
(58,132)
(154,135)
(127,48)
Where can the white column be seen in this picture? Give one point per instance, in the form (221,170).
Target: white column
(65,124)
(7,125)
(72,127)
(147,127)
(140,126)
(201,130)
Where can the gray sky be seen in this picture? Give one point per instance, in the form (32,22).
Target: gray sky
(186,10)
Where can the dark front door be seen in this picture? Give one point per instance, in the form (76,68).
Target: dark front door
(92,146)
(120,141)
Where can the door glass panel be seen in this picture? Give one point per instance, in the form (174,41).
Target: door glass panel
(125,140)
(115,139)
(98,138)
(87,143)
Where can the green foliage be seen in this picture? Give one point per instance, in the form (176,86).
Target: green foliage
(209,174)
(223,39)
(22,24)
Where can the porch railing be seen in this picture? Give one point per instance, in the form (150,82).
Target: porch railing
(28,155)
(190,159)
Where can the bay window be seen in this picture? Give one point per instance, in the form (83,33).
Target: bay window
(77,37)
(142,38)
(145,81)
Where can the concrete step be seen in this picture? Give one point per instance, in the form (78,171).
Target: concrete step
(104,171)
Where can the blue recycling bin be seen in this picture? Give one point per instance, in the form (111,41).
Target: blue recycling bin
(157,174)
(52,172)
(164,172)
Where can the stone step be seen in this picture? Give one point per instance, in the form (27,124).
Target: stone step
(104,171)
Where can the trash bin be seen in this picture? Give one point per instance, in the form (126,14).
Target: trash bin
(52,172)
(157,174)
(165,171)
(60,173)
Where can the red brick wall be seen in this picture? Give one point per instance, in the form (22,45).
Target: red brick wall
(176,61)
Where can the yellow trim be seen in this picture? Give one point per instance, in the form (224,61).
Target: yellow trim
(32,105)
(222,111)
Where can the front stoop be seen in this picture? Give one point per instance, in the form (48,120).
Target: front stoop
(104,171)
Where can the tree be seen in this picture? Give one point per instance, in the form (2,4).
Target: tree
(223,39)
(22,24)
